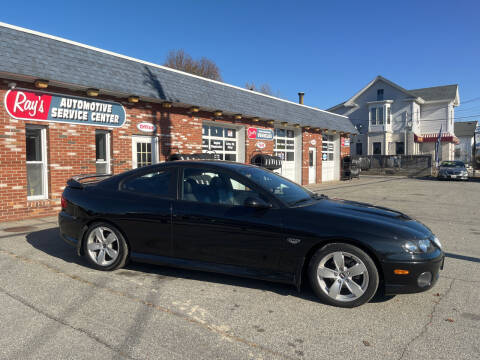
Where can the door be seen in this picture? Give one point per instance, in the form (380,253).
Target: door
(328,158)
(312,165)
(144,151)
(212,224)
(144,211)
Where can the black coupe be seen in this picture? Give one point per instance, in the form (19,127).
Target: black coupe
(247,221)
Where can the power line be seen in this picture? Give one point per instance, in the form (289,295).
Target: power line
(455,117)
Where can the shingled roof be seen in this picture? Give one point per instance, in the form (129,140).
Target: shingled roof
(447,92)
(436,93)
(37,55)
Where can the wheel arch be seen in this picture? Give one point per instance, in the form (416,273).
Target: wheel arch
(303,267)
(89,223)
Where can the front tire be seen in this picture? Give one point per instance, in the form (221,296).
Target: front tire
(343,275)
(105,247)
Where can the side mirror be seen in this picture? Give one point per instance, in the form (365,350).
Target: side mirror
(255,202)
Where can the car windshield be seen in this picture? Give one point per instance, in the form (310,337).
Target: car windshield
(285,190)
(452,164)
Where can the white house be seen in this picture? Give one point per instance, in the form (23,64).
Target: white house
(392,120)
(465,132)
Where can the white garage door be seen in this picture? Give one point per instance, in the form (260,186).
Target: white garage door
(284,147)
(328,158)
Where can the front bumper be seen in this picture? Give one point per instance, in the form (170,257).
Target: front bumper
(405,284)
(453,176)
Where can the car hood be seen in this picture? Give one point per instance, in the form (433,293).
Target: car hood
(361,213)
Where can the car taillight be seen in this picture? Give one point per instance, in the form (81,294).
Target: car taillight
(63,202)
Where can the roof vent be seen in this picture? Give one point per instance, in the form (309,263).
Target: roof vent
(300,97)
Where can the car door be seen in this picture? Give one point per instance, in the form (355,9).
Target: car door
(145,207)
(212,224)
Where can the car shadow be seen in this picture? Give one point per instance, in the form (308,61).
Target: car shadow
(50,242)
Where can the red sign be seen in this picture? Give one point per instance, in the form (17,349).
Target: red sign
(252,133)
(24,104)
(28,105)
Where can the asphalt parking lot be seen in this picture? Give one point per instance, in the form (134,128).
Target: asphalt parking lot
(53,306)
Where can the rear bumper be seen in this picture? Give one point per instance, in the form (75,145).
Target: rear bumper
(405,284)
(70,229)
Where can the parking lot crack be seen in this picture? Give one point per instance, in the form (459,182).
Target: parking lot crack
(64,323)
(428,323)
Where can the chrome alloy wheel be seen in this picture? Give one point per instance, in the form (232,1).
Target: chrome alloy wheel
(342,276)
(103,246)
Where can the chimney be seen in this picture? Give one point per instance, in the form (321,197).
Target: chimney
(300,97)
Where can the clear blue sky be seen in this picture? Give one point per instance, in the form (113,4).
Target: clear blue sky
(329,50)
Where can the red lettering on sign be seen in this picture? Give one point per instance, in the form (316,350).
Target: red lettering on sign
(28,105)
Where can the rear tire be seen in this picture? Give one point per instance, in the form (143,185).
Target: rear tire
(343,275)
(105,247)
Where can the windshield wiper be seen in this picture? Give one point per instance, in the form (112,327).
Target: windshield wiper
(300,201)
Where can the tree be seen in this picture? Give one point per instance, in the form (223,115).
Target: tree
(180,60)
(264,88)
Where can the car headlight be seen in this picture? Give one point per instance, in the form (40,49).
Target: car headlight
(417,246)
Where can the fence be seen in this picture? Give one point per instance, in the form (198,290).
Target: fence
(407,165)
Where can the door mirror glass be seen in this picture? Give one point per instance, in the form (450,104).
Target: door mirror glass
(256,203)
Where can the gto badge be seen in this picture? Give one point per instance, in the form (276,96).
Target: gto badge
(293,241)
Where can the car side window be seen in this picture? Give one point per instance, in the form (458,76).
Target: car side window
(157,183)
(215,187)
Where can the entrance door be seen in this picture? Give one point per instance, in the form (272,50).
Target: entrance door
(284,148)
(328,158)
(312,165)
(144,151)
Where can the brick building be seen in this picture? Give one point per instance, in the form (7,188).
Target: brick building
(72,109)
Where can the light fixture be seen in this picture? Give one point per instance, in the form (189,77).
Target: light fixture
(12,85)
(218,113)
(194,109)
(255,119)
(271,122)
(296,125)
(334,131)
(41,84)
(93,92)
(306,127)
(237,116)
(133,99)
(284,123)
(317,129)
(166,105)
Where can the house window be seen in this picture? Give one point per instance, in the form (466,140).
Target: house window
(36,163)
(102,150)
(359,150)
(380,116)
(380,95)
(377,148)
(399,148)
(373,116)
(389,115)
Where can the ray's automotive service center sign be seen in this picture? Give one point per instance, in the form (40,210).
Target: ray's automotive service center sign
(32,105)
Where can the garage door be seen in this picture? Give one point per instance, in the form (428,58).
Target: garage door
(220,140)
(328,158)
(284,147)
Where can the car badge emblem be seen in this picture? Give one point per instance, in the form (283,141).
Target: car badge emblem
(293,241)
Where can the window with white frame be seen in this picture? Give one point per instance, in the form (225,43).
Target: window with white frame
(102,150)
(36,147)
(389,115)
(380,116)
(379,94)
(373,116)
